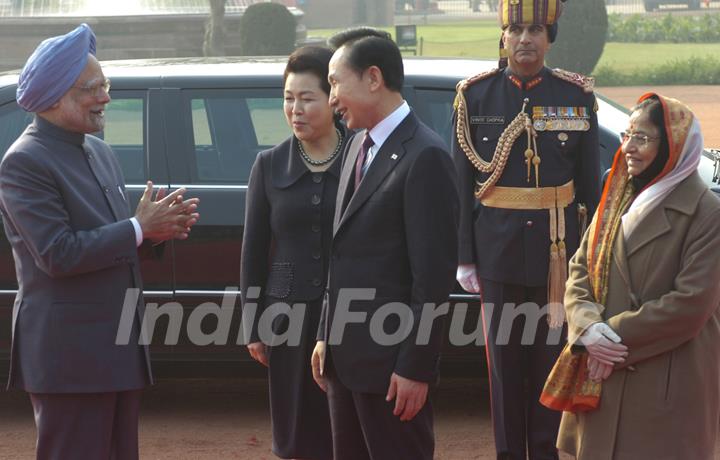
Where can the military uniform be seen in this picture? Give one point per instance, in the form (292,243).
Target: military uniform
(520,206)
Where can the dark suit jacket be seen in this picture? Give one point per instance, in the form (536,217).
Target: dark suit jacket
(62,198)
(288,228)
(398,235)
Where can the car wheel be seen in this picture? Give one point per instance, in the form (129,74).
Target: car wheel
(650,6)
(694,4)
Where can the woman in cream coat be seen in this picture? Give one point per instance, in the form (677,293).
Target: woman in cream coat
(652,257)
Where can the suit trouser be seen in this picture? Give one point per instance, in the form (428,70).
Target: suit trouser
(518,372)
(87,426)
(364,427)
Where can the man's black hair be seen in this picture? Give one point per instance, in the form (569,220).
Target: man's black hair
(366,47)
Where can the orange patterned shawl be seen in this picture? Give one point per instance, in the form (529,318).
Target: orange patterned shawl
(568,387)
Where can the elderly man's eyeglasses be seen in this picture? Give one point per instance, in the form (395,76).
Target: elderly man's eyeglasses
(641,140)
(95,90)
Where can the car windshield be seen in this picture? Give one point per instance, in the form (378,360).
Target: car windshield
(611,114)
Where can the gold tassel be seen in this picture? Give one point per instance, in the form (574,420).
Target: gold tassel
(529,153)
(536,160)
(562,261)
(562,281)
(556,314)
(563,267)
(557,271)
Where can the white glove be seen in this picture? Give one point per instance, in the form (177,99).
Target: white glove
(603,344)
(468,279)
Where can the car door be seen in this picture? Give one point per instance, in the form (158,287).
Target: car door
(213,159)
(13,121)
(131,128)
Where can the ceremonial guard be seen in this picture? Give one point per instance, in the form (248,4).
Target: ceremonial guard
(527,156)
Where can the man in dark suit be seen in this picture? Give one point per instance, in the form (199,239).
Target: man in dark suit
(395,236)
(65,213)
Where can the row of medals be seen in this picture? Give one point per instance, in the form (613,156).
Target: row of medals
(561,124)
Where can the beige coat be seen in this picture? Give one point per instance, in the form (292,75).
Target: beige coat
(663,403)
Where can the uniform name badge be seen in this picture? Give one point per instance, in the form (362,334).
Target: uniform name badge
(487,120)
(561,118)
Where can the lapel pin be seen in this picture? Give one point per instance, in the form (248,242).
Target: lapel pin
(394,156)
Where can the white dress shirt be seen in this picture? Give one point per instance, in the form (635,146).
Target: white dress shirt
(383,130)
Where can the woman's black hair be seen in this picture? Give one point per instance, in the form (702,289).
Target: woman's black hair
(654,109)
(313,60)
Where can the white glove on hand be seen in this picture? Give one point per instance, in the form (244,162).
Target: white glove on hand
(604,344)
(468,279)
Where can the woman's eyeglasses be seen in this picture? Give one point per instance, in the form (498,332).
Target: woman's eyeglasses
(95,90)
(641,140)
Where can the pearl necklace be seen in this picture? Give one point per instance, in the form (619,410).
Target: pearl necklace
(327,160)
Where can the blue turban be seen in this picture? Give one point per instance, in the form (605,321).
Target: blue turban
(53,68)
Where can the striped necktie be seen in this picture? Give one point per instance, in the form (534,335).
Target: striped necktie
(366,144)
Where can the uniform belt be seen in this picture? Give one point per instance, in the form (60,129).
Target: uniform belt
(553,199)
(529,197)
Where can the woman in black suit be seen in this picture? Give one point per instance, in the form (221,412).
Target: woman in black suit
(288,229)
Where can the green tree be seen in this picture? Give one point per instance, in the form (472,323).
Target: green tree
(582,33)
(267,29)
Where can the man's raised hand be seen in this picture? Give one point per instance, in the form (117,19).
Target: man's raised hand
(166,216)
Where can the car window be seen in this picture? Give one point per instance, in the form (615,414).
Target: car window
(230,128)
(124,131)
(612,119)
(13,121)
(436,110)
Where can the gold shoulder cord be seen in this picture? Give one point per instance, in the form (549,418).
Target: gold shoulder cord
(587,84)
(502,151)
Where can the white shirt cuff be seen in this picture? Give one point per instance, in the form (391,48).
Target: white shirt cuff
(138,231)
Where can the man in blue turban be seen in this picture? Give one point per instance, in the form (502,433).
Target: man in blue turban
(77,250)
(53,68)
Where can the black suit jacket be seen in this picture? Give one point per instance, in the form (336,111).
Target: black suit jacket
(288,228)
(397,235)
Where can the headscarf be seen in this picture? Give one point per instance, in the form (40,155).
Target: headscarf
(53,68)
(568,386)
(689,143)
(526,12)
(619,203)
